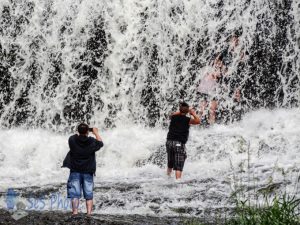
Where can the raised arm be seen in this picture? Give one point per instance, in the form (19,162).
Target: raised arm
(195,120)
(97,144)
(96,133)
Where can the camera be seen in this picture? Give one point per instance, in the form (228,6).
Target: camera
(90,129)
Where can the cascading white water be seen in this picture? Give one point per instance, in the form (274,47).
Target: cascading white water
(259,152)
(125,65)
(112,62)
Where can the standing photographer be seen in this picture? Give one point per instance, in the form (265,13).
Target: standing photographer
(178,136)
(83,166)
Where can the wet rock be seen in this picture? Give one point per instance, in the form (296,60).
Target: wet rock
(38,192)
(158,157)
(270,188)
(61,218)
(182,210)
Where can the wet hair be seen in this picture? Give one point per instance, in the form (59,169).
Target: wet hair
(83,128)
(184,107)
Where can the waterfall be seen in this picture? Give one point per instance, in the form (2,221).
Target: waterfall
(114,62)
(123,66)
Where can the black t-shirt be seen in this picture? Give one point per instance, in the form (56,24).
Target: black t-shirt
(82,153)
(179,128)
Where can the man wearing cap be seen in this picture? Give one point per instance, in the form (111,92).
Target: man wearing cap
(82,166)
(177,138)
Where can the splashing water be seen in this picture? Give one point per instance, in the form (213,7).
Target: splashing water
(258,153)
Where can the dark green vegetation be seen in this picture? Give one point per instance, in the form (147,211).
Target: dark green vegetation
(282,210)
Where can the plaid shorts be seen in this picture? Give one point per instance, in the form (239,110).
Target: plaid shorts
(176,154)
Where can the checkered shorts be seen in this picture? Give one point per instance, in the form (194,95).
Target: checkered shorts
(176,154)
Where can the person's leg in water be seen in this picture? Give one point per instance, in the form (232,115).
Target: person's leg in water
(180,158)
(203,106)
(178,174)
(169,171)
(212,112)
(170,155)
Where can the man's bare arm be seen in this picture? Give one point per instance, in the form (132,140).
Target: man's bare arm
(96,133)
(195,120)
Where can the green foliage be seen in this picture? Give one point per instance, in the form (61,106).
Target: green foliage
(280,211)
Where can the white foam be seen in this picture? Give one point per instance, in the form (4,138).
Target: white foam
(265,143)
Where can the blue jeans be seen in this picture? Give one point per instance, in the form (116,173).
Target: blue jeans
(79,182)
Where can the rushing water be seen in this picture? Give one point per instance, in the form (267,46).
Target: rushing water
(123,66)
(259,153)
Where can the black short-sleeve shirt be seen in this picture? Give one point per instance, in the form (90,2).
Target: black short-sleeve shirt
(179,128)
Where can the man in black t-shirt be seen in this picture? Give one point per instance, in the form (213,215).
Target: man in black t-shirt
(177,137)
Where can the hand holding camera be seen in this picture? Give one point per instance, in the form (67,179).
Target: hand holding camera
(95,131)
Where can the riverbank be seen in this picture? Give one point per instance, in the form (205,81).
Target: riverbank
(62,218)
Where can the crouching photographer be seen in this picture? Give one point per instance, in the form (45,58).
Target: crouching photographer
(82,165)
